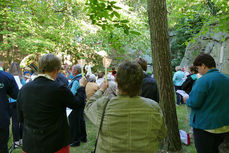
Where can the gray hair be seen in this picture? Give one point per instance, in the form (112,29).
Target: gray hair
(111,90)
(77,67)
(49,63)
(92,78)
(177,68)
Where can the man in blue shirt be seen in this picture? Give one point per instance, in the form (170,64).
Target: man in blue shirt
(76,118)
(8,87)
(209,102)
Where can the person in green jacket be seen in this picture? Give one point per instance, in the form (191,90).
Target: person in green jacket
(131,123)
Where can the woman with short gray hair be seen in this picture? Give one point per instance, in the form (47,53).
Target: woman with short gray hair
(91,86)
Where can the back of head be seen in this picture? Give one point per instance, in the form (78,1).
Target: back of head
(91,78)
(193,69)
(178,68)
(49,63)
(100,75)
(142,63)
(205,59)
(15,69)
(129,78)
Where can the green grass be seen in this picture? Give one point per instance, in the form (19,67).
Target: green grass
(183,122)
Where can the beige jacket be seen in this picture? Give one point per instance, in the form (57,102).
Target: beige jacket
(90,89)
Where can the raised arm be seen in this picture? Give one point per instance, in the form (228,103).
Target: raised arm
(95,105)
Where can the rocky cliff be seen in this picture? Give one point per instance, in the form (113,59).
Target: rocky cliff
(216,44)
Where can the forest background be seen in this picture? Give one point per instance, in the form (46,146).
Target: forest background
(77,29)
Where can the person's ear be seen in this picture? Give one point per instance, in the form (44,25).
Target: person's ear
(204,66)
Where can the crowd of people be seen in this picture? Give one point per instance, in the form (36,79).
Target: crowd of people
(124,106)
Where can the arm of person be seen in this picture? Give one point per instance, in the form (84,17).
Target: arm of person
(75,87)
(197,95)
(174,77)
(75,101)
(186,84)
(95,105)
(80,97)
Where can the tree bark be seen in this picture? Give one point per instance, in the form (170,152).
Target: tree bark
(157,14)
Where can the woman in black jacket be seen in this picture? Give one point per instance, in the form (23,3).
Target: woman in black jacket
(188,83)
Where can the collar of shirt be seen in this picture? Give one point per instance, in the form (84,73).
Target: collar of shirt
(212,70)
(45,75)
(78,75)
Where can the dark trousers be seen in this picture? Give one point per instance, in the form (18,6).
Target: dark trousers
(4,137)
(15,124)
(179,99)
(206,142)
(77,125)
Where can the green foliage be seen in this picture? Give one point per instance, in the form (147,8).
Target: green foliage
(120,27)
(191,18)
(64,26)
(183,32)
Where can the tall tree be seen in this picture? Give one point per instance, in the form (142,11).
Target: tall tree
(158,22)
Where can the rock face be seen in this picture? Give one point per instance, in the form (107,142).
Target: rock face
(215,44)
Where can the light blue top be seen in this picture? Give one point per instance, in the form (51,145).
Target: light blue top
(209,100)
(75,85)
(178,78)
(11,100)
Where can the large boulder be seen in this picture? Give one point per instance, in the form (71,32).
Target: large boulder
(215,44)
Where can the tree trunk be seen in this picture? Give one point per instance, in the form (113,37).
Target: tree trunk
(158,22)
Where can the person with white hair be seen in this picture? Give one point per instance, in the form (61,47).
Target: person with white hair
(91,86)
(76,118)
(178,78)
(111,91)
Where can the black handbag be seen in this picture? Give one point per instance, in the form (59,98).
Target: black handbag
(100,126)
